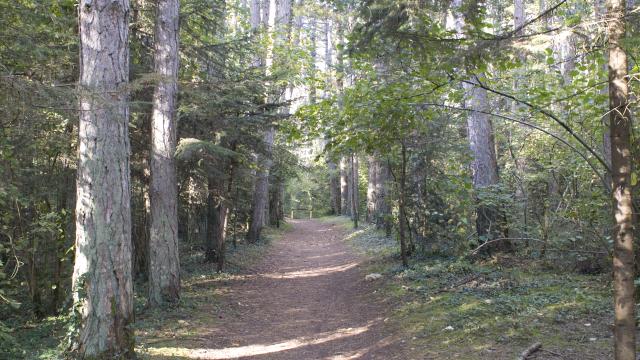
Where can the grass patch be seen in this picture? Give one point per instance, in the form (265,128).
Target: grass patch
(456,309)
(36,339)
(342,221)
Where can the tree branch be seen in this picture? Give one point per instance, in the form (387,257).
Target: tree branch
(547,114)
(533,126)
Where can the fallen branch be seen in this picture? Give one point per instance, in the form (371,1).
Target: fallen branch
(458,284)
(552,353)
(530,351)
(476,250)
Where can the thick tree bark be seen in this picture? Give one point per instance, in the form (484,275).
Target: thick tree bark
(164,262)
(102,282)
(623,233)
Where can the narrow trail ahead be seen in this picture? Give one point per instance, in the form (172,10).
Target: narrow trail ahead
(306,299)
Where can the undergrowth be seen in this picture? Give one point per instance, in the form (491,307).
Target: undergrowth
(452,308)
(44,339)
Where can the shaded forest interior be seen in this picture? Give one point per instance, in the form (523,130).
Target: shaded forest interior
(147,143)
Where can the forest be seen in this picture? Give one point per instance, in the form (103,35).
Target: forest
(319,179)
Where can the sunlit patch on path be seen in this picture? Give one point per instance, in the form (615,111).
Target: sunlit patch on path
(259,349)
(311,272)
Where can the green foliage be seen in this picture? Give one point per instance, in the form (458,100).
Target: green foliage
(189,149)
(408,90)
(451,307)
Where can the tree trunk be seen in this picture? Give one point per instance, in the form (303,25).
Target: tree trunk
(260,17)
(345,185)
(266,8)
(521,162)
(334,188)
(620,129)
(402,218)
(383,208)
(313,55)
(260,206)
(164,262)
(261,191)
(490,220)
(281,204)
(328,56)
(519,14)
(372,177)
(213,198)
(255,16)
(140,228)
(354,190)
(222,212)
(102,282)
(484,167)
(274,204)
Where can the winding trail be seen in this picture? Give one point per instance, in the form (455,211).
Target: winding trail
(306,299)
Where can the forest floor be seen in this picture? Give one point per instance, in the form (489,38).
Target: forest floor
(301,294)
(495,308)
(305,298)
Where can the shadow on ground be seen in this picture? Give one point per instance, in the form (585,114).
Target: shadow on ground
(306,299)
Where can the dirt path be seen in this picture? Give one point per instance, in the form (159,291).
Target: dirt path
(307,299)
